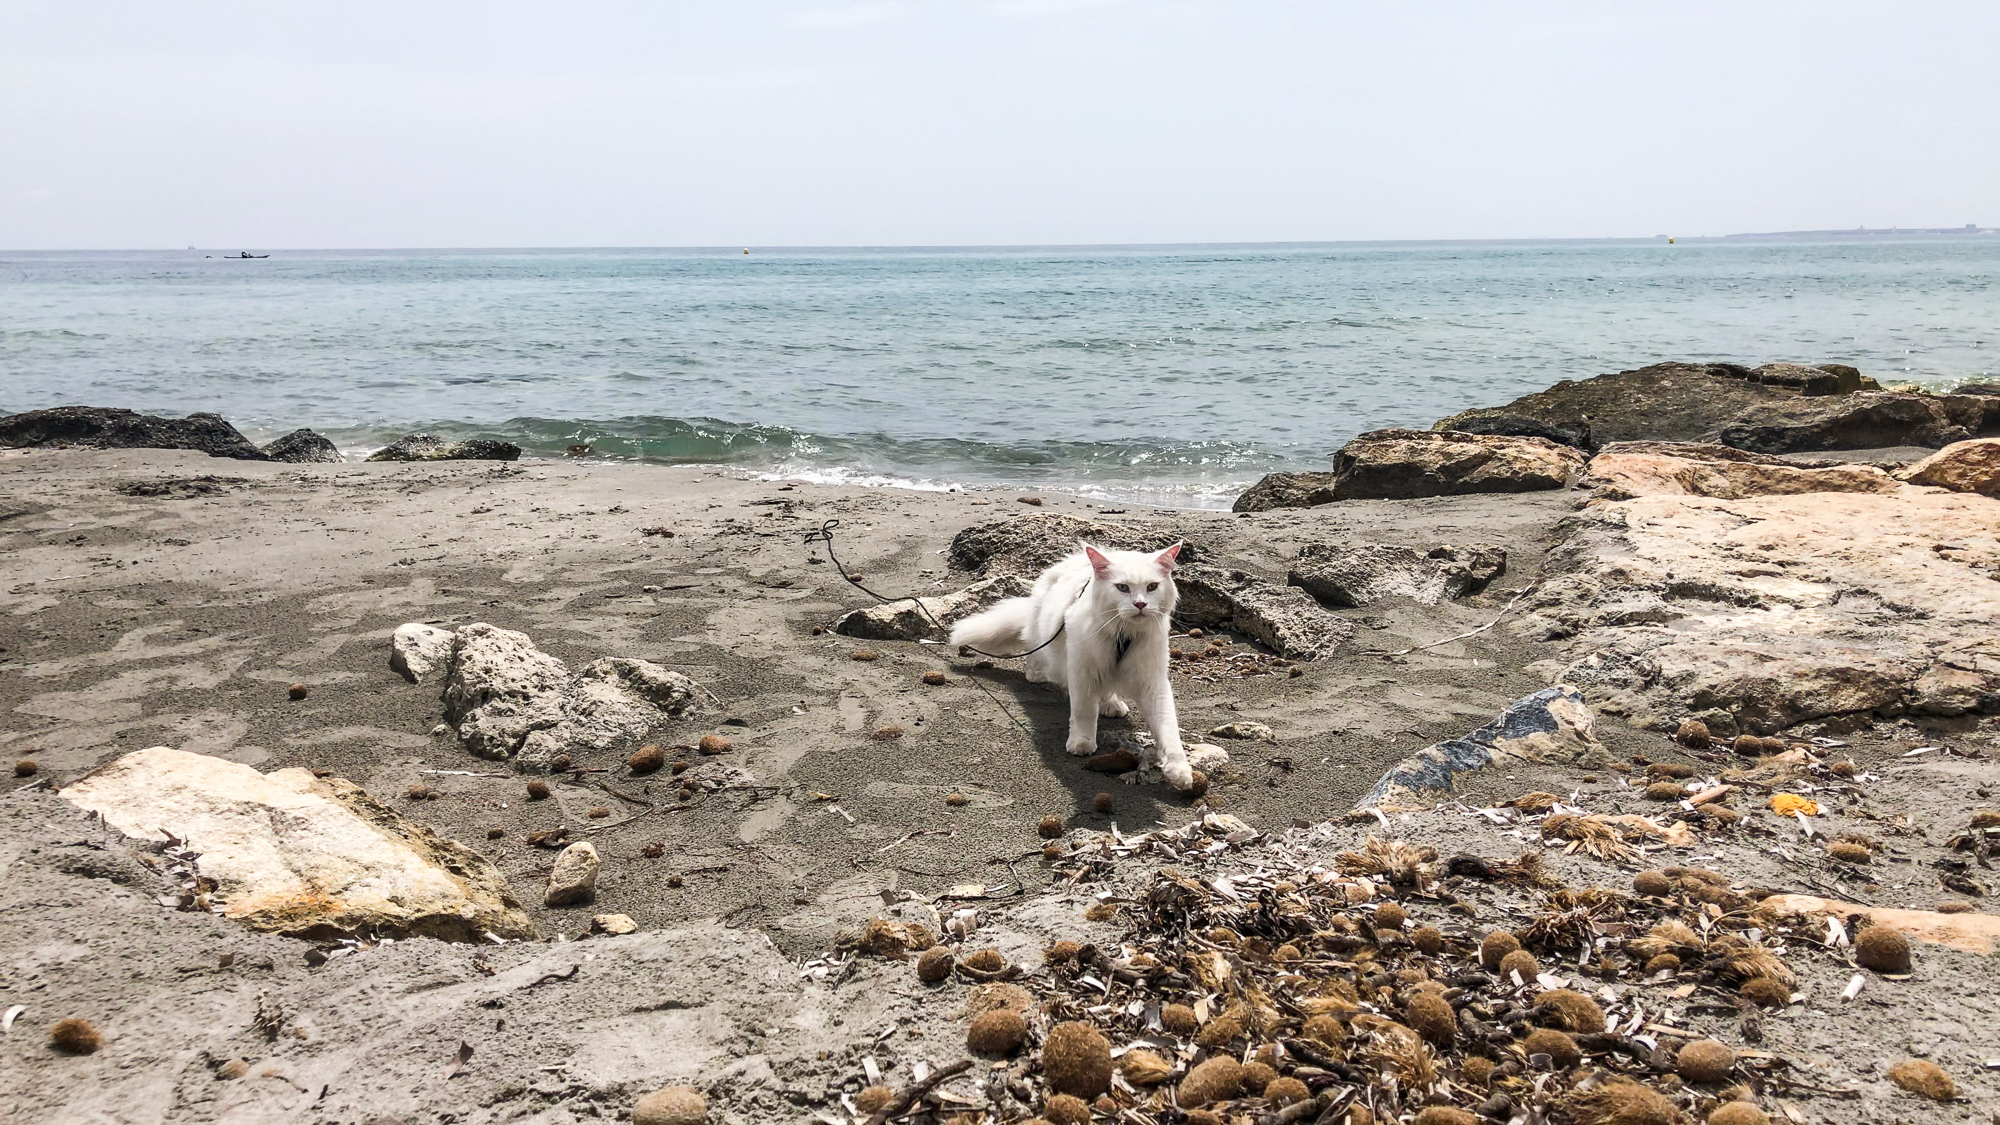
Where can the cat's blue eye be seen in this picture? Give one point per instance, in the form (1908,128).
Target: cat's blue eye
(1152,586)
(1123,588)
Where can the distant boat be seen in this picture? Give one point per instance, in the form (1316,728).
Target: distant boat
(245,254)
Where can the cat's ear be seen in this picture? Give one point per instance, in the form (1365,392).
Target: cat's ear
(1168,558)
(1098,562)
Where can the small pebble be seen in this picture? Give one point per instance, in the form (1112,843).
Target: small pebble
(862,654)
(935,678)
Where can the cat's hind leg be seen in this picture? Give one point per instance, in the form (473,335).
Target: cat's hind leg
(1113,707)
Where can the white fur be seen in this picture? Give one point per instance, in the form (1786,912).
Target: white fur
(1081,595)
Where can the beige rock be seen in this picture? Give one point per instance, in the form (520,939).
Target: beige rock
(613,924)
(574,878)
(903,621)
(299,855)
(1628,469)
(1964,466)
(1403,464)
(416,649)
(1969,933)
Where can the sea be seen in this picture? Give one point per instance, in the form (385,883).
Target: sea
(1161,375)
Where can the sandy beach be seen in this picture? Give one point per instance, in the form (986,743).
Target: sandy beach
(167,598)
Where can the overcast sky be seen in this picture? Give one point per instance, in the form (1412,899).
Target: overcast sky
(906,122)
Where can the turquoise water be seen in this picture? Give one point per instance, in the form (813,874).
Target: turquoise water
(1172,374)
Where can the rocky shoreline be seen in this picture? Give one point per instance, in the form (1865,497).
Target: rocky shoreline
(489,790)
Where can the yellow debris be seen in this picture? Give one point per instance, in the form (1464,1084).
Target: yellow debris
(1786,804)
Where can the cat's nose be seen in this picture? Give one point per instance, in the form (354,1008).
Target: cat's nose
(1138,605)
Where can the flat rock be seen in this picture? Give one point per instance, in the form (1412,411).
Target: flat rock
(508,700)
(1352,575)
(1552,725)
(1969,933)
(101,427)
(1499,423)
(614,924)
(1027,545)
(1785,609)
(304,856)
(1244,729)
(1964,466)
(430,447)
(573,880)
(903,621)
(1286,490)
(301,447)
(416,649)
(1865,420)
(1284,619)
(1405,464)
(1623,470)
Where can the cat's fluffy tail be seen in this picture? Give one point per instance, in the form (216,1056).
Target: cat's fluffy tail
(1002,630)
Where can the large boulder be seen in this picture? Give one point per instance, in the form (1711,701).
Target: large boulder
(1404,464)
(302,447)
(1285,620)
(902,620)
(1623,470)
(1783,609)
(294,854)
(1866,420)
(1351,575)
(1552,725)
(1965,466)
(508,700)
(1503,424)
(430,447)
(1286,490)
(101,427)
(1027,545)
(1664,402)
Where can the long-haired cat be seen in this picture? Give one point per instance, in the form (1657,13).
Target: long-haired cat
(1113,609)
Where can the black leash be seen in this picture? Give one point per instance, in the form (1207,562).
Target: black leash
(824,535)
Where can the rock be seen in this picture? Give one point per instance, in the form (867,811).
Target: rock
(1786,609)
(101,427)
(507,699)
(1623,470)
(614,924)
(416,649)
(574,878)
(1286,490)
(1963,466)
(1553,724)
(1867,420)
(675,1105)
(1362,574)
(430,447)
(1405,464)
(903,621)
(1285,620)
(1502,424)
(301,447)
(1663,402)
(1968,933)
(1245,729)
(1027,545)
(303,856)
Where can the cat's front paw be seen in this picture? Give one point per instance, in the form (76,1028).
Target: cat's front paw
(1180,775)
(1081,746)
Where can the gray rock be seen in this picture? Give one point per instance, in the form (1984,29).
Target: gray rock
(1285,620)
(1027,545)
(508,700)
(1244,729)
(1665,402)
(903,621)
(1553,724)
(300,855)
(1286,490)
(1405,464)
(573,880)
(1502,424)
(100,427)
(301,447)
(416,649)
(430,447)
(1352,576)
(1867,420)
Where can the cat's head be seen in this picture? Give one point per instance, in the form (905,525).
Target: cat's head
(1135,584)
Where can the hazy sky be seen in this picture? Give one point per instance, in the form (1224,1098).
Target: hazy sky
(656,123)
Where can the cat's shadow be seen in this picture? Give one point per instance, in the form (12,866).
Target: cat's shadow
(1044,708)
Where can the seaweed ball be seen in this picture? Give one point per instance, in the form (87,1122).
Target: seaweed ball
(75,1037)
(1774,745)
(1477,1072)
(1664,963)
(1217,1079)
(998,1032)
(1077,1060)
(1562,1051)
(1103,803)
(873,1098)
(1883,949)
(1766,992)
(1847,852)
(1443,1115)
(1693,734)
(1737,1113)
(1257,1075)
(1066,1109)
(647,759)
(1390,916)
(1748,745)
(1496,947)
(1282,1092)
(1924,1078)
(935,964)
(26,767)
(1653,884)
(1179,1019)
(298,691)
(675,1105)
(1431,1017)
(1570,1010)
(712,744)
(985,960)
(1220,1032)
(1665,791)
(1050,827)
(1428,939)
(1523,962)
(1704,1060)
(1325,1029)
(538,790)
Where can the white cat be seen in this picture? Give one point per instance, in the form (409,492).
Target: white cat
(1113,609)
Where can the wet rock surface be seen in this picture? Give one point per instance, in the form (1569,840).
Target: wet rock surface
(1286,490)
(98,427)
(302,447)
(430,447)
